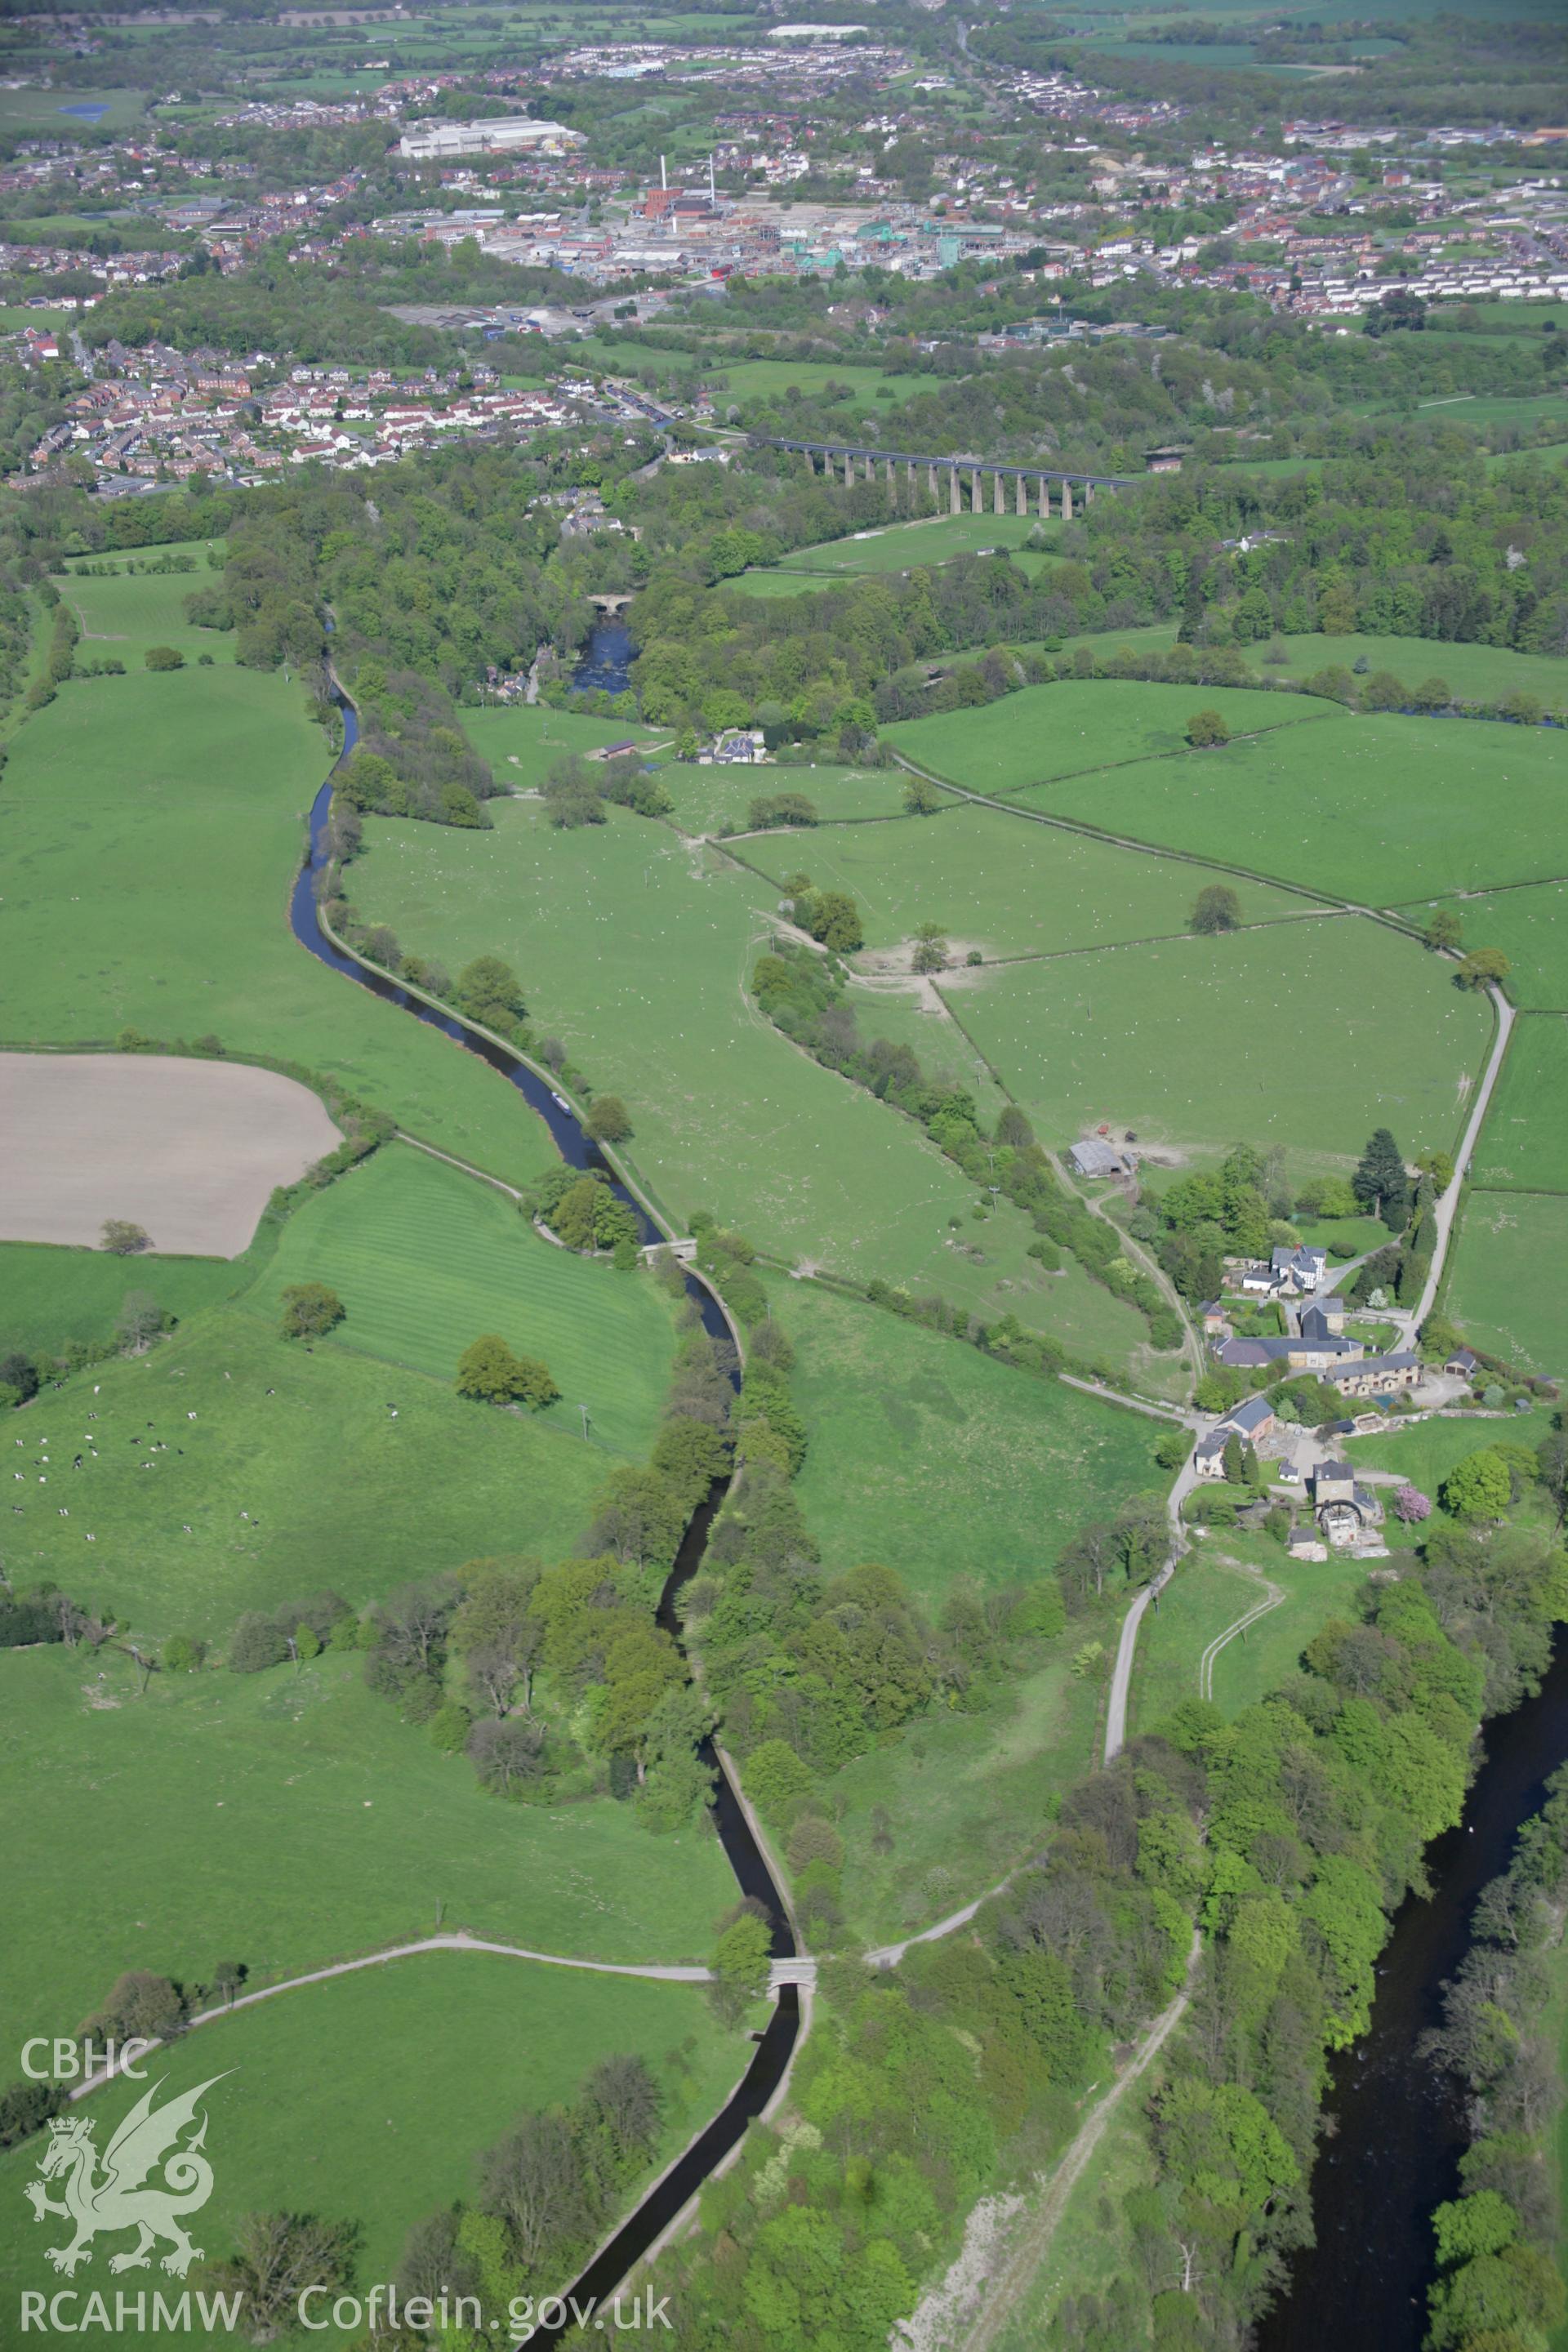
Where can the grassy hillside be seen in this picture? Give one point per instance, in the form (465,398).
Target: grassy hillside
(287,1819)
(1531,926)
(1525,1140)
(636,953)
(286,1472)
(1079,725)
(1008,1467)
(1377,810)
(999,883)
(425,1259)
(464,2044)
(1505,1288)
(1307,1034)
(49,1294)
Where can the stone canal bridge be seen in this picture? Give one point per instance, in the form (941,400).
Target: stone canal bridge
(856,461)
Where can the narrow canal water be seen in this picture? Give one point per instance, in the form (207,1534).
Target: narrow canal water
(1396,2125)
(742,1848)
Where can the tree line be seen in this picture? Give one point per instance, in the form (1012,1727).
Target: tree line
(803,994)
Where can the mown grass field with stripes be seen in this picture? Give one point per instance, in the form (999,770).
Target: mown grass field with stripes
(425,1259)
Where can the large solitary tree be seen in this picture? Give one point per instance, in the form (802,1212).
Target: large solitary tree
(1380,1182)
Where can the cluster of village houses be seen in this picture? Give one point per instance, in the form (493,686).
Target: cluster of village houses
(1316,1344)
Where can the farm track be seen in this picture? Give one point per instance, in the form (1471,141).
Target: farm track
(1273,1597)
(1032,2244)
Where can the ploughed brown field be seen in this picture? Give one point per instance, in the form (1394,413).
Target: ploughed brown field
(188,1150)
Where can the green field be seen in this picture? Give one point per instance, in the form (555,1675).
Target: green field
(1002,884)
(901,546)
(1206,1596)
(522,741)
(48,113)
(1081,726)
(154,829)
(48,1295)
(745,381)
(369,2098)
(1531,926)
(343,1829)
(1320,1032)
(338,1492)
(1546,452)
(1525,1140)
(12,321)
(1483,409)
(717,799)
(1009,1466)
(779,584)
(1425,1451)
(1471,673)
(636,952)
(969,1797)
(1375,809)
(125,615)
(426,1259)
(1504,1290)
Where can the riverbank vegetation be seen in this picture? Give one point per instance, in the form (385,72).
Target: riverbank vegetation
(1498,2243)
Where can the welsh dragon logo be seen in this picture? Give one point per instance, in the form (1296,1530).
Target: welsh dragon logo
(145,2140)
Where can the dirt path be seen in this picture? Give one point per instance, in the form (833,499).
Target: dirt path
(1005,2289)
(453,1943)
(1273,1595)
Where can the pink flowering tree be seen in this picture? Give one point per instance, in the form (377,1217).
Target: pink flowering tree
(1412,1506)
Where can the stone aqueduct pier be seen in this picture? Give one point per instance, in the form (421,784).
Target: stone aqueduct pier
(857,462)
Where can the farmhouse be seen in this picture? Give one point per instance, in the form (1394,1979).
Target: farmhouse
(1298,1269)
(1377,1375)
(1248,1421)
(1097,1158)
(1290,1272)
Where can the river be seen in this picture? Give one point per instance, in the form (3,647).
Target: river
(742,1850)
(605,661)
(1396,2125)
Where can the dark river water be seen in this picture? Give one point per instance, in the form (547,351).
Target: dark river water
(1397,2125)
(742,1849)
(605,660)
